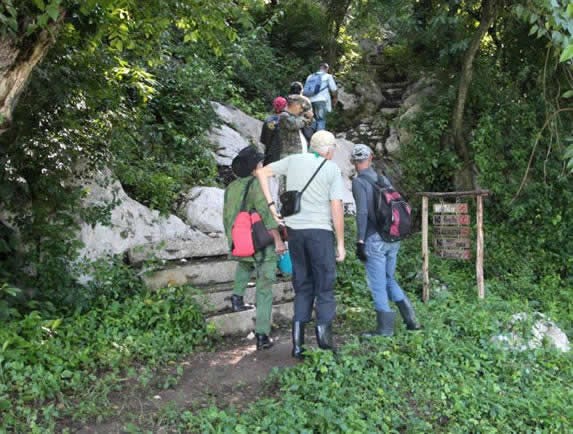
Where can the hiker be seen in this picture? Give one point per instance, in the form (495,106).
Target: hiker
(310,234)
(263,263)
(321,89)
(270,133)
(296,89)
(291,121)
(379,256)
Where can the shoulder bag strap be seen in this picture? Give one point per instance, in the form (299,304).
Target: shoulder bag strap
(244,201)
(313,175)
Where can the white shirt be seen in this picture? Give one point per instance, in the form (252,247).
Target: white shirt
(327,85)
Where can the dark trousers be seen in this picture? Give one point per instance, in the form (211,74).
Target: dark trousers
(314,273)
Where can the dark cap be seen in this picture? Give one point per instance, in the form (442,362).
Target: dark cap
(246,161)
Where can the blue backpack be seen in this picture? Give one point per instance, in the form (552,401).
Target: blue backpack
(313,84)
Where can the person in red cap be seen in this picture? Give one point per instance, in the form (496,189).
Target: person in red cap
(270,133)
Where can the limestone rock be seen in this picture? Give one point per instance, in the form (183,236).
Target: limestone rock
(529,331)
(248,127)
(392,144)
(348,100)
(196,245)
(227,142)
(131,223)
(203,209)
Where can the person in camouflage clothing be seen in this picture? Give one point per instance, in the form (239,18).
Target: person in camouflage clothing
(291,121)
(263,263)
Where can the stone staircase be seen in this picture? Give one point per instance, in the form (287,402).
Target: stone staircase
(213,279)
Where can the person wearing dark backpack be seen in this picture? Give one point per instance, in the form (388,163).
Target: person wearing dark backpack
(270,136)
(379,255)
(245,194)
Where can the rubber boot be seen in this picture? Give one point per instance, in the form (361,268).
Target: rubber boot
(238,305)
(408,314)
(384,324)
(297,339)
(324,336)
(263,342)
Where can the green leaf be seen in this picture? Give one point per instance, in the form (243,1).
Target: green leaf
(533,29)
(568,94)
(40,4)
(567,53)
(53,11)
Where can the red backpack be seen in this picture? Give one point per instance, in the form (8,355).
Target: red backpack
(249,234)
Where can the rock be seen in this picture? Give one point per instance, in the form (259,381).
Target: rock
(403,133)
(227,142)
(131,223)
(247,126)
(370,93)
(529,331)
(196,245)
(388,112)
(418,91)
(203,209)
(392,144)
(199,273)
(348,100)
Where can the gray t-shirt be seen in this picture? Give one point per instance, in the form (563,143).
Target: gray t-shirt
(326,186)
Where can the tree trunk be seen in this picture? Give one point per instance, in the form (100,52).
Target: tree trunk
(17,62)
(488,14)
(337,10)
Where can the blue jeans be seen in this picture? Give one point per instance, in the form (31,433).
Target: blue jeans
(313,273)
(319,109)
(380,269)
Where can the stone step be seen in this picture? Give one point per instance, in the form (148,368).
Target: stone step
(398,84)
(215,300)
(390,104)
(393,93)
(389,112)
(244,322)
(197,273)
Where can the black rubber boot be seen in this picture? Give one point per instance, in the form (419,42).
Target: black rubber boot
(384,324)
(263,342)
(238,305)
(324,336)
(408,314)
(297,339)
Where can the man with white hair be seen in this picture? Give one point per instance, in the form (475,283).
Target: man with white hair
(310,234)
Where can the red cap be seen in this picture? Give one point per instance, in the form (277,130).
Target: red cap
(279,104)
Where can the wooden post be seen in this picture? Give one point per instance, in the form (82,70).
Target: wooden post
(479,247)
(425,251)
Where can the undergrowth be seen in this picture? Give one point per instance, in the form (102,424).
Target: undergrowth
(52,368)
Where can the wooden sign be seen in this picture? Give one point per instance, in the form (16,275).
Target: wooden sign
(451,208)
(452,231)
(451,219)
(452,243)
(454,254)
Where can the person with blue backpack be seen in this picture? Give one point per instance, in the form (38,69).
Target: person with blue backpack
(382,219)
(321,89)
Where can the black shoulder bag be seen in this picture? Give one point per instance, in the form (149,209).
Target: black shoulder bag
(290,200)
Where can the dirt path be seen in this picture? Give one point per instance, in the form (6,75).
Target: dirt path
(233,375)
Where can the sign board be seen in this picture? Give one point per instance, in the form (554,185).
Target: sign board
(452,243)
(451,219)
(452,231)
(451,208)
(454,254)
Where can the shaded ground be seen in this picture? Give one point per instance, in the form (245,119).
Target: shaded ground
(233,375)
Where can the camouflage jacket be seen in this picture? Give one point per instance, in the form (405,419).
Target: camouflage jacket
(289,131)
(255,200)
